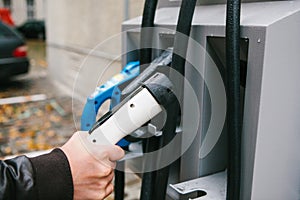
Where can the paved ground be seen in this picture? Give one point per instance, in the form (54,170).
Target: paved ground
(33,126)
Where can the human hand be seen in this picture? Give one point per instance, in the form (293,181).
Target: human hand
(91,166)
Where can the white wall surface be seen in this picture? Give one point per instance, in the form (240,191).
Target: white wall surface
(74,28)
(19,10)
(40,9)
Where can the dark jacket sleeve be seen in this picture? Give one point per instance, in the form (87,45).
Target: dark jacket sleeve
(53,176)
(17,179)
(44,177)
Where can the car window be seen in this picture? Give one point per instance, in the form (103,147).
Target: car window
(29,26)
(38,27)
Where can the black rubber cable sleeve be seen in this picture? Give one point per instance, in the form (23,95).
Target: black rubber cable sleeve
(233,98)
(178,63)
(148,181)
(182,34)
(119,181)
(146,38)
(147,33)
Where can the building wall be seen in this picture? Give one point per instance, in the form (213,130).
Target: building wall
(40,9)
(19,10)
(74,29)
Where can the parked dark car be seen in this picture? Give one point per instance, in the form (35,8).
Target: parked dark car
(13,53)
(33,29)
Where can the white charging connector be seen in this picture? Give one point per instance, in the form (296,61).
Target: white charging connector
(138,110)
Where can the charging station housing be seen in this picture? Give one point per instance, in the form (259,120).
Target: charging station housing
(270,65)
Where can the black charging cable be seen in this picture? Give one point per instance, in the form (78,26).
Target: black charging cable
(149,144)
(233,98)
(145,58)
(173,111)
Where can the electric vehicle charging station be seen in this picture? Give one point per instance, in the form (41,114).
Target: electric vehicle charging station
(270,93)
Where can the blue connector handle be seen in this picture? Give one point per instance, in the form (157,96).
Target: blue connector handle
(109,90)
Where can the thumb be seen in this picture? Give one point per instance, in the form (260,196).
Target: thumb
(115,153)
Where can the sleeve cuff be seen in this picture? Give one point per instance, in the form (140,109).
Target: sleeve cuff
(53,176)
